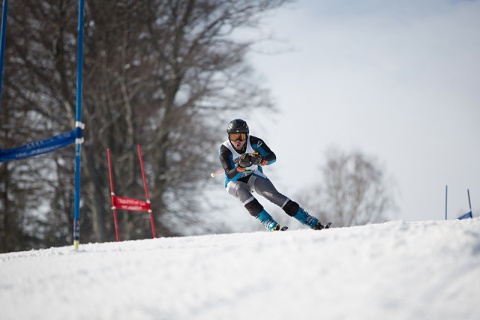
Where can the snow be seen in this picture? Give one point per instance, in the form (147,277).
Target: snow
(394,270)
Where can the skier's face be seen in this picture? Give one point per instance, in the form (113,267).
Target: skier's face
(238,140)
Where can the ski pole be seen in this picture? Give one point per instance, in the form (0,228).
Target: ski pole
(213,174)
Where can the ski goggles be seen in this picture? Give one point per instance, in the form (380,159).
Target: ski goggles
(238,136)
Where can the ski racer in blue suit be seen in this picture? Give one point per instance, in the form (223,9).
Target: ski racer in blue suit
(243,157)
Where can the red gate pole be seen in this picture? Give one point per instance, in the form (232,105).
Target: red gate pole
(152,223)
(112,193)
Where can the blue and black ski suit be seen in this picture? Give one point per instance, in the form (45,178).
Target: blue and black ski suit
(242,184)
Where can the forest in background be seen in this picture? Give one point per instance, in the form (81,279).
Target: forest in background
(164,74)
(161,73)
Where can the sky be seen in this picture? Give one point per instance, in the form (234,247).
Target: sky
(397,80)
(420,270)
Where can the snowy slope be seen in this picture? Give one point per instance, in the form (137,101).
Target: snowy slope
(396,270)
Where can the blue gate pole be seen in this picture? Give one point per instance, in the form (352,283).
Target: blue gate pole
(469,203)
(446,201)
(2,45)
(78,129)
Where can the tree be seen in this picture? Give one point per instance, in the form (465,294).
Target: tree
(355,190)
(160,73)
(33,108)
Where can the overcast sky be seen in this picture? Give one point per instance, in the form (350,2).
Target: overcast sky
(398,80)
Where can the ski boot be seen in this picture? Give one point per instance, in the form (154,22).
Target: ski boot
(308,220)
(268,221)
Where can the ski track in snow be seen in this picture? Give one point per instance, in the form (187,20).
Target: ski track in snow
(394,270)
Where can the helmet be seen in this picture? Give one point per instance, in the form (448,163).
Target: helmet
(237,126)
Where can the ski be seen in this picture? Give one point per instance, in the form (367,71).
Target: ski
(284,228)
(328,225)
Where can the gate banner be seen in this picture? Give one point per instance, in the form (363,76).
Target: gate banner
(467,215)
(38,147)
(130,204)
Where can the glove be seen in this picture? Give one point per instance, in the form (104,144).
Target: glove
(256,158)
(244,161)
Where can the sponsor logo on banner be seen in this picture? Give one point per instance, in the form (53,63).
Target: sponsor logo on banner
(131,204)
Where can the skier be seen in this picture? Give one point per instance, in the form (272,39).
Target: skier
(242,157)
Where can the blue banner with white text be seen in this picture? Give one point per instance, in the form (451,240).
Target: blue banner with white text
(38,147)
(467,215)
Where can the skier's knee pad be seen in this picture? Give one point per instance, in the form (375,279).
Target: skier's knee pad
(291,208)
(254,207)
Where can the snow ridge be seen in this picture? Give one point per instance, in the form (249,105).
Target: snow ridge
(394,270)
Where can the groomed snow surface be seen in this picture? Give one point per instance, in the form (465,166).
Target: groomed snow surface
(396,270)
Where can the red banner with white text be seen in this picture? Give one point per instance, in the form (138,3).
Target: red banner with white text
(130,204)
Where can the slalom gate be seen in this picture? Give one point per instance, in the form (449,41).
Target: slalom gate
(61,140)
(130,204)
